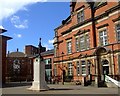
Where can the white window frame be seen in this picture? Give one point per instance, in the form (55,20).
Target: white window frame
(82,43)
(103,38)
(87,39)
(69,47)
(77,44)
(118,32)
(88,64)
(70,69)
(78,68)
(80,16)
(83,65)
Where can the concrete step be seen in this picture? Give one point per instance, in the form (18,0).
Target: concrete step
(111,85)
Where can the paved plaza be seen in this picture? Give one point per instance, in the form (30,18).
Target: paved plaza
(22,88)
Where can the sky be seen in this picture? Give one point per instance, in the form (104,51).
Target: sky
(28,20)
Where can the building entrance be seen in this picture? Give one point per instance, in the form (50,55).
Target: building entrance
(102,65)
(105,67)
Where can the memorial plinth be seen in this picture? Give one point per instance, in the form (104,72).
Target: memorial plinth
(39,82)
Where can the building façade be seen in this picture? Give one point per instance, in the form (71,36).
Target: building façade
(87,43)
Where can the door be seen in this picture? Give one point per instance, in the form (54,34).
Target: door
(105,67)
(105,70)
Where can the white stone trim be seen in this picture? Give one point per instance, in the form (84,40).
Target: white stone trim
(82,26)
(103,28)
(105,18)
(76,36)
(117,22)
(69,40)
(76,60)
(113,13)
(67,34)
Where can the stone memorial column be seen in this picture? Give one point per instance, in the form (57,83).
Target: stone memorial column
(39,82)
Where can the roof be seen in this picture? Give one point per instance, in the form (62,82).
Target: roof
(49,52)
(30,45)
(5,37)
(2,29)
(16,54)
(68,19)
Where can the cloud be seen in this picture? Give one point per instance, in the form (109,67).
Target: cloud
(48,45)
(17,35)
(10,7)
(18,23)
(50,41)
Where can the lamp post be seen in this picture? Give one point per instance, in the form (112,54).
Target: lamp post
(62,69)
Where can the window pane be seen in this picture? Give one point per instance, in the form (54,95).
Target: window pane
(83,63)
(77,45)
(118,32)
(88,63)
(69,47)
(78,67)
(82,43)
(70,69)
(83,67)
(103,37)
(80,16)
(87,42)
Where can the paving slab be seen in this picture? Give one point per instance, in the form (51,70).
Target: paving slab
(22,88)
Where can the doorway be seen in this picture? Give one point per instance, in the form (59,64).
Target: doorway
(102,68)
(105,64)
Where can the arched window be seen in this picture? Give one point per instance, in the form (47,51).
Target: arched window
(105,62)
(16,65)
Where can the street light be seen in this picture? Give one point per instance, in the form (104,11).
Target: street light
(62,69)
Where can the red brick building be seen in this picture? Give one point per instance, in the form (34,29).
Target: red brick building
(3,48)
(19,67)
(87,43)
(31,50)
